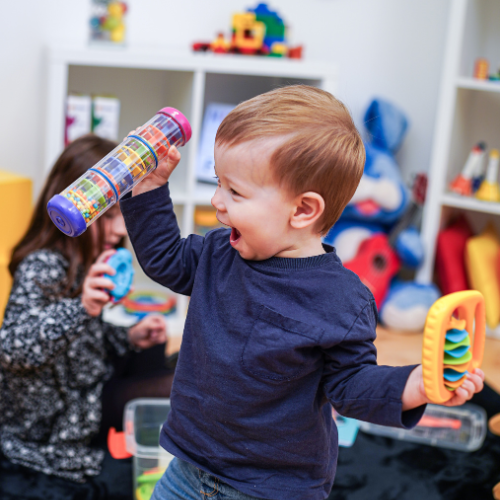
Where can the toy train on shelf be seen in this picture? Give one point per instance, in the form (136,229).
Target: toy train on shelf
(258,31)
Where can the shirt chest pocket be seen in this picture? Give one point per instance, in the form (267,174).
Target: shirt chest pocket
(279,348)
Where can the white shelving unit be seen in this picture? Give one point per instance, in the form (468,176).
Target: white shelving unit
(468,112)
(146,81)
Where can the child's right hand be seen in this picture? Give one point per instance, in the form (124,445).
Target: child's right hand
(94,295)
(160,176)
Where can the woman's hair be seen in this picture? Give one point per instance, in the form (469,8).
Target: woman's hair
(321,151)
(74,161)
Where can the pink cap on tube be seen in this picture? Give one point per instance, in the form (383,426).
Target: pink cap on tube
(180,119)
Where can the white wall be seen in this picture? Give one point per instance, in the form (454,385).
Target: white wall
(386,48)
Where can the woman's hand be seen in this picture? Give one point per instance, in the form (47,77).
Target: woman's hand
(414,391)
(152,330)
(94,297)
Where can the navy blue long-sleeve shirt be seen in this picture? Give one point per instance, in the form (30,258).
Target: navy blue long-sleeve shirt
(267,346)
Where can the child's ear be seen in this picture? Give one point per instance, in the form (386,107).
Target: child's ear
(309,207)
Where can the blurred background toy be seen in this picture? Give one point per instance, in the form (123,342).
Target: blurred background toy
(481,68)
(489,189)
(108,21)
(463,183)
(450,256)
(481,260)
(375,236)
(142,303)
(205,219)
(258,31)
(121,262)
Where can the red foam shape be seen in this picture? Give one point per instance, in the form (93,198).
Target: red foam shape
(376,263)
(450,256)
(116,444)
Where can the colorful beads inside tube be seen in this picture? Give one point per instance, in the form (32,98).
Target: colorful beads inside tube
(91,195)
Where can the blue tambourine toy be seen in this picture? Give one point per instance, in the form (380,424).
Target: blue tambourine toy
(121,262)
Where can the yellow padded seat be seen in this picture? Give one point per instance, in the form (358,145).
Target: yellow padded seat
(16,206)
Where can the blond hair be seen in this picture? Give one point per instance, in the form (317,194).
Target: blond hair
(322,151)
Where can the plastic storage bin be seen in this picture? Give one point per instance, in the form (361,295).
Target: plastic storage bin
(460,428)
(142,422)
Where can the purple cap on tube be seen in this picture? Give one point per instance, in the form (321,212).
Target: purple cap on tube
(180,119)
(66,216)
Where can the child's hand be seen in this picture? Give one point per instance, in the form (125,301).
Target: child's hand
(160,176)
(147,333)
(94,298)
(414,391)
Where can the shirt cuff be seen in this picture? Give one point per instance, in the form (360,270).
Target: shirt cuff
(130,204)
(409,418)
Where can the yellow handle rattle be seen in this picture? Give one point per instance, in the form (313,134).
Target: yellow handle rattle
(453,343)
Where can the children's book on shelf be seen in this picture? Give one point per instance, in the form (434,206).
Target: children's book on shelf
(214,114)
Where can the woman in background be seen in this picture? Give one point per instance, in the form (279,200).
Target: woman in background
(58,394)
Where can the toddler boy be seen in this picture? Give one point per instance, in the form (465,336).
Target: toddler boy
(277,329)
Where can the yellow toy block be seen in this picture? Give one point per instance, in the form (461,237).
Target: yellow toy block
(481,263)
(16,205)
(453,343)
(248,33)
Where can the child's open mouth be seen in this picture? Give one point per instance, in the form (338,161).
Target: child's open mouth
(235,236)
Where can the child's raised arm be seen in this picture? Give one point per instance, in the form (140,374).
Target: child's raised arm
(154,233)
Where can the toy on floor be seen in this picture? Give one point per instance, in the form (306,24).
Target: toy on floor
(460,428)
(258,31)
(146,483)
(453,343)
(117,445)
(121,262)
(481,262)
(140,304)
(116,174)
(463,183)
(347,429)
(489,190)
(450,256)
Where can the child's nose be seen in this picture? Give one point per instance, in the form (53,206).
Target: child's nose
(216,200)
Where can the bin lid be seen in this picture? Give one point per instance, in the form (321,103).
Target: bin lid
(142,422)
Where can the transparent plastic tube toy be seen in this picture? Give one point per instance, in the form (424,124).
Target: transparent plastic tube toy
(84,201)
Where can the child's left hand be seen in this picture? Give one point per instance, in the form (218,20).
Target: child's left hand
(414,391)
(152,330)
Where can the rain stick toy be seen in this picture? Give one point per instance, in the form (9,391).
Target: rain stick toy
(73,210)
(452,345)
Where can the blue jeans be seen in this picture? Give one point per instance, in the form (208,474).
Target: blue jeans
(183,481)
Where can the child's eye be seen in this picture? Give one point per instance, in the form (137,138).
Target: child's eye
(234,192)
(217,179)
